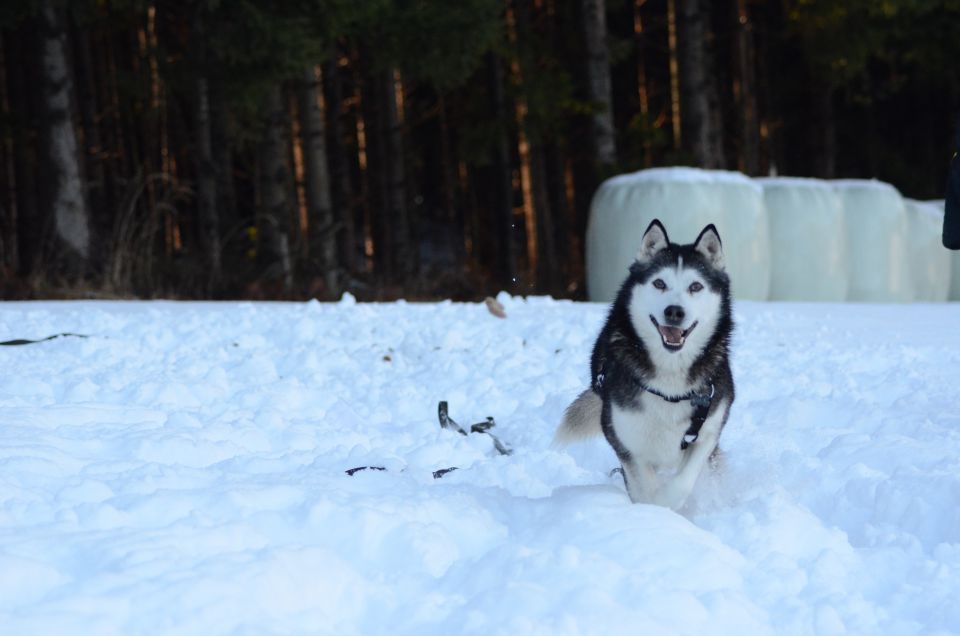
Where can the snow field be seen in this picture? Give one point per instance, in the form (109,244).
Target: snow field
(181,471)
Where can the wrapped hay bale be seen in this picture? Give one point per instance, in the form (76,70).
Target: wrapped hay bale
(877,253)
(808,245)
(685,200)
(930,262)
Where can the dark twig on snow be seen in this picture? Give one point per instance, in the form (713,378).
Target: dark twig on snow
(351,471)
(21,341)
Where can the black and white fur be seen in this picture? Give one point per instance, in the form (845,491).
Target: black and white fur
(668,331)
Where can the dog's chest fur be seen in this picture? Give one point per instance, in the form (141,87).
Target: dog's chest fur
(652,431)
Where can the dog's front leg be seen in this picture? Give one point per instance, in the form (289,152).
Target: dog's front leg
(674,492)
(640,479)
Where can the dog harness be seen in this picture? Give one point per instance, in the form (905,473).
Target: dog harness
(701,406)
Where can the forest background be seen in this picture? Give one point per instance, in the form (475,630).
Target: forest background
(424,149)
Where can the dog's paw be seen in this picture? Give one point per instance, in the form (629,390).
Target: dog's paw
(671,496)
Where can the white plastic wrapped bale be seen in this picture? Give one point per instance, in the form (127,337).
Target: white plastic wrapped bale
(685,200)
(930,262)
(808,250)
(954,255)
(877,254)
(954,275)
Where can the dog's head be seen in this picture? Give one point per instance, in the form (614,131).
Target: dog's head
(678,294)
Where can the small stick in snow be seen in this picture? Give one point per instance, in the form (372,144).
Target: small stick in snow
(23,341)
(495,307)
(351,471)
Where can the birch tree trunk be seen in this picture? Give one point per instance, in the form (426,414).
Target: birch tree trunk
(598,82)
(324,229)
(65,198)
(701,136)
(102,210)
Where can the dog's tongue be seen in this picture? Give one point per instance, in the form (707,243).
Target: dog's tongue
(671,335)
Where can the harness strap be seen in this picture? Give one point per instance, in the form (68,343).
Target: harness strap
(701,405)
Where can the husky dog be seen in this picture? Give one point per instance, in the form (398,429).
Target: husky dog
(661,386)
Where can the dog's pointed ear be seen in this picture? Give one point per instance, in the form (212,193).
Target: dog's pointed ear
(708,244)
(654,240)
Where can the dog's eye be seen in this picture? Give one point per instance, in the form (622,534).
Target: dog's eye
(695,287)
(659,284)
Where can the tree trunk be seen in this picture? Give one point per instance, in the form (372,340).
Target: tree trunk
(393,256)
(560,216)
(399,235)
(455,217)
(675,118)
(643,96)
(372,152)
(9,252)
(826,152)
(222,151)
(65,198)
(323,226)
(747,93)
(274,188)
(503,180)
(598,83)
(341,185)
(206,172)
(697,92)
(22,66)
(548,271)
(101,210)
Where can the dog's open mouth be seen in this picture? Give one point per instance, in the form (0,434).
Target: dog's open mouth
(672,337)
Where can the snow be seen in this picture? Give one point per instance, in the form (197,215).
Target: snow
(181,471)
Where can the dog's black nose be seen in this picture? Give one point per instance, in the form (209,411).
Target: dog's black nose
(674,314)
